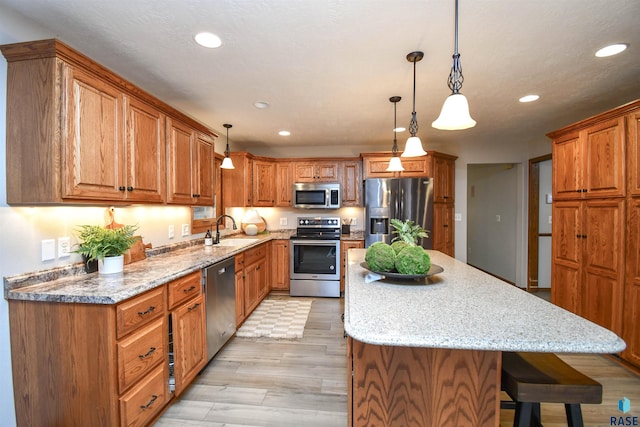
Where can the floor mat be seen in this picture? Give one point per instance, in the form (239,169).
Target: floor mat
(277,319)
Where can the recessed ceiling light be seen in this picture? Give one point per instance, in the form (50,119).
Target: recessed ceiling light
(399,129)
(284,133)
(261,104)
(529,98)
(611,50)
(209,40)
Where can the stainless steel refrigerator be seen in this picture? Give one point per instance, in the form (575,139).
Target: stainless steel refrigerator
(401,198)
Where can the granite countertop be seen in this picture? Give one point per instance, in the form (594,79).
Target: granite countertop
(137,277)
(463,308)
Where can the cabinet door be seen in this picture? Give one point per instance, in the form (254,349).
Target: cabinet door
(566,252)
(280,265)
(263,278)
(376,167)
(94,158)
(603,262)
(633,144)
(605,159)
(264,183)
(444,177)
(240,313)
(180,140)
(345,245)
(145,148)
(251,287)
(567,167)
(351,184)
(284,184)
(443,233)
(237,183)
(327,171)
(631,308)
(205,170)
(189,341)
(304,172)
(321,171)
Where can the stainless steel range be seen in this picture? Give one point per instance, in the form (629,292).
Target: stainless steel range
(315,258)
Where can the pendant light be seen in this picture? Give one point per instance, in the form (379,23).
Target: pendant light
(455,111)
(413,147)
(395,164)
(227,163)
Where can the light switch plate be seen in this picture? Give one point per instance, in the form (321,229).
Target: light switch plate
(171,232)
(457,217)
(48,249)
(185,230)
(283,221)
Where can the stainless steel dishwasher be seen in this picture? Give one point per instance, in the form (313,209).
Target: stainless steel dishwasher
(220,290)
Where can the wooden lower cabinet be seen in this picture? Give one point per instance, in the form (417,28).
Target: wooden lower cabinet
(631,310)
(443,228)
(588,259)
(253,277)
(345,245)
(280,271)
(105,365)
(429,387)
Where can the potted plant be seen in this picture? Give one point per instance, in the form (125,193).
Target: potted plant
(106,245)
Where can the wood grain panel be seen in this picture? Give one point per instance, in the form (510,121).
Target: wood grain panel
(53,385)
(424,387)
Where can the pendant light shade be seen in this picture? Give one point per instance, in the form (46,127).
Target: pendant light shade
(455,111)
(413,147)
(227,163)
(395,164)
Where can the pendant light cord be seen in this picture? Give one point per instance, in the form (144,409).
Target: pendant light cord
(413,124)
(456,78)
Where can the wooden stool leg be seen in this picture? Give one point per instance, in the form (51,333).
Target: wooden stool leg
(574,414)
(523,414)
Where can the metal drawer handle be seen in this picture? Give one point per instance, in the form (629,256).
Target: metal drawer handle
(144,313)
(153,399)
(186,291)
(194,307)
(149,353)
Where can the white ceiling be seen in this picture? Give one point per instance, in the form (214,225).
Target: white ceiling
(328,67)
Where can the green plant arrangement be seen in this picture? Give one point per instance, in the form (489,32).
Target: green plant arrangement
(99,242)
(408,231)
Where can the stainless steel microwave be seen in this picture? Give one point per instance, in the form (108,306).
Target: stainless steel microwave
(308,195)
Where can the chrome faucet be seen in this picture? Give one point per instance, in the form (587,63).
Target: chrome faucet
(217,240)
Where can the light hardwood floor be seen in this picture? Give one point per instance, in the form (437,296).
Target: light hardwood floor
(263,382)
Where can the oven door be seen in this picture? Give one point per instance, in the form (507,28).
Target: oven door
(315,259)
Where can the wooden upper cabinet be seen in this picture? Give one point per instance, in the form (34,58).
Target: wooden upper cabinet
(375,165)
(237,183)
(78,133)
(590,162)
(190,174)
(351,183)
(264,183)
(316,171)
(284,183)
(93,139)
(444,179)
(633,153)
(145,148)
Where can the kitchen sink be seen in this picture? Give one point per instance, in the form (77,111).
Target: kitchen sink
(237,241)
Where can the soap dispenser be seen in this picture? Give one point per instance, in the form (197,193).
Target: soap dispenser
(208,240)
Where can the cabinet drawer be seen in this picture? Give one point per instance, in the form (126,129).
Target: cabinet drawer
(255,254)
(140,352)
(184,288)
(146,399)
(139,311)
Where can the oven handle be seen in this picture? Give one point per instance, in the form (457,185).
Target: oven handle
(308,242)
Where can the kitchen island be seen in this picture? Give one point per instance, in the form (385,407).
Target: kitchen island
(429,353)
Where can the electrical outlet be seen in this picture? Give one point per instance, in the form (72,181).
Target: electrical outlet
(185,230)
(64,247)
(549,219)
(171,232)
(48,249)
(457,217)
(498,218)
(283,221)
(354,222)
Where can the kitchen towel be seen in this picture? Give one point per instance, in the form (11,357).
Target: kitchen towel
(274,318)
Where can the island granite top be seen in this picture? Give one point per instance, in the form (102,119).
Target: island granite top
(138,277)
(463,308)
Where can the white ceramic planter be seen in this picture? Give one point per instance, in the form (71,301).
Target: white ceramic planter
(111,265)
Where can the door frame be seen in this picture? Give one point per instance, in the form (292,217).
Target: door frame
(533,221)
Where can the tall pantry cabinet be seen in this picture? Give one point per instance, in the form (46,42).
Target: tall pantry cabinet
(596,222)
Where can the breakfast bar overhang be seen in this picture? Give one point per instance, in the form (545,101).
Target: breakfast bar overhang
(429,353)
